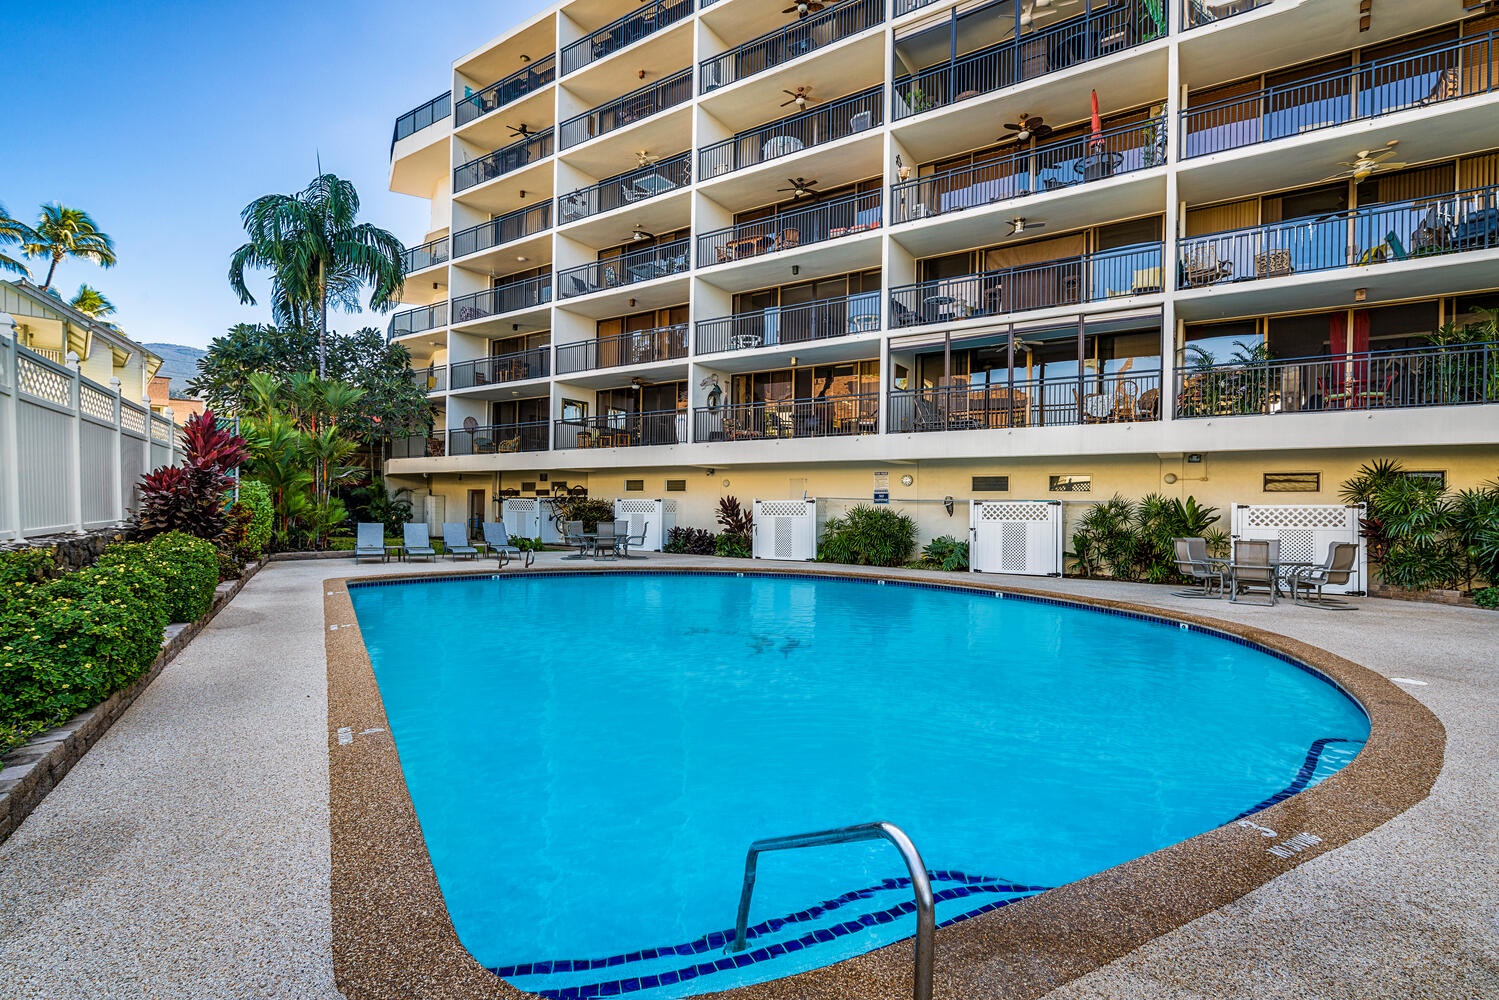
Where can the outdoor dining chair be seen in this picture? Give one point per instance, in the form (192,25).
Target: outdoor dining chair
(625,539)
(605,545)
(1193,562)
(1252,568)
(417,542)
(1335,570)
(370,542)
(572,534)
(455,540)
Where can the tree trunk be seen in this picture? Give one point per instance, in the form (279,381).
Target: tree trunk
(56,259)
(322,330)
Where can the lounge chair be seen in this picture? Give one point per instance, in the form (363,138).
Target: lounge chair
(455,540)
(1252,567)
(370,542)
(1193,562)
(498,541)
(1336,569)
(417,543)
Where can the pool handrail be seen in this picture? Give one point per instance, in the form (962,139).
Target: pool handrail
(926,921)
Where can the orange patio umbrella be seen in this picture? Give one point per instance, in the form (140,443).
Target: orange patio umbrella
(1095,140)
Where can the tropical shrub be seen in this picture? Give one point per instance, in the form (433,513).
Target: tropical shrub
(1488,597)
(590,512)
(20,571)
(194,574)
(731,546)
(945,553)
(255,497)
(736,541)
(691,542)
(868,536)
(1133,541)
(375,503)
(1422,537)
(187,497)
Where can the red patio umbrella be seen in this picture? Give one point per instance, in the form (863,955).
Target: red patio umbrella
(1095,140)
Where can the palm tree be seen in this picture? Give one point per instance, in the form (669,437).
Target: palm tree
(13,231)
(68,232)
(317,253)
(91,302)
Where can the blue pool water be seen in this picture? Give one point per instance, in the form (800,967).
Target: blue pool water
(590,756)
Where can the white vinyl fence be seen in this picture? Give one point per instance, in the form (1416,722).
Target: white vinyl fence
(72,452)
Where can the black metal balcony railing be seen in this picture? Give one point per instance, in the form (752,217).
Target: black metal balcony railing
(828,220)
(503,160)
(1072,42)
(793,324)
(624,430)
(842,415)
(426,255)
(500,368)
(1196,13)
(419,118)
(418,320)
(504,229)
(525,294)
(1112,398)
(634,347)
(633,107)
(1046,168)
(1424,227)
(536,75)
(633,186)
(1419,79)
(416,446)
(1449,375)
(800,37)
(1067,281)
(625,31)
(498,439)
(626,269)
(828,123)
(433,378)
(906,6)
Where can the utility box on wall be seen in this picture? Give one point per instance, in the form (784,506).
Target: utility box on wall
(785,529)
(1015,536)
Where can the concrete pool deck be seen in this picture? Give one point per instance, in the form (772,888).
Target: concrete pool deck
(188,854)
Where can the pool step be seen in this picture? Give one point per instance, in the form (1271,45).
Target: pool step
(793,943)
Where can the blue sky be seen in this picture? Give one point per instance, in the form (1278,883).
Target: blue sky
(163,120)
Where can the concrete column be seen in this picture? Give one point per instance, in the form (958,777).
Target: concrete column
(117,472)
(75,447)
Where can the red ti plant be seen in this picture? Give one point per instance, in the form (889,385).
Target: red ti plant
(189,497)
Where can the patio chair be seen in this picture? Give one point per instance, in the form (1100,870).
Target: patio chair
(605,546)
(1336,569)
(1202,266)
(572,534)
(455,540)
(1252,567)
(1193,562)
(498,541)
(625,539)
(417,543)
(370,542)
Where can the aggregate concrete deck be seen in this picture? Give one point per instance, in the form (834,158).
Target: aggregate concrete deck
(188,854)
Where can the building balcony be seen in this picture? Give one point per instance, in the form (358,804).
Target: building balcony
(418,320)
(1457,223)
(623,430)
(1068,281)
(433,378)
(801,37)
(503,160)
(633,107)
(1196,13)
(634,347)
(791,324)
(626,269)
(1450,375)
(818,223)
(1072,42)
(1004,402)
(1421,79)
(845,415)
(495,439)
(623,32)
(516,296)
(828,123)
(476,104)
(418,118)
(1051,167)
(506,229)
(425,256)
(629,188)
(501,368)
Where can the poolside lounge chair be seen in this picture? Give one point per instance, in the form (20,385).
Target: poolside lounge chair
(417,543)
(1252,567)
(498,540)
(1193,561)
(455,540)
(370,542)
(1336,569)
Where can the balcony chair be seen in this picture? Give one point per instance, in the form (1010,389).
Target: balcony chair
(417,543)
(1202,267)
(1252,567)
(370,542)
(497,540)
(1148,407)
(1336,570)
(455,540)
(1449,84)
(633,193)
(861,121)
(1194,563)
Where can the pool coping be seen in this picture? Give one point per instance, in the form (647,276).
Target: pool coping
(392,936)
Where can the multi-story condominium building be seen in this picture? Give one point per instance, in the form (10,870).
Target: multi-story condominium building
(1226,248)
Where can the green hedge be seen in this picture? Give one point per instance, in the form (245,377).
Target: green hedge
(184,571)
(256,496)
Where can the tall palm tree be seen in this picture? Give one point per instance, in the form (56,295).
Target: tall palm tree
(68,232)
(317,254)
(91,302)
(13,231)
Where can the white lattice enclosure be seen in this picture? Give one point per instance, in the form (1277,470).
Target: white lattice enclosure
(1305,531)
(522,517)
(652,518)
(785,529)
(1015,536)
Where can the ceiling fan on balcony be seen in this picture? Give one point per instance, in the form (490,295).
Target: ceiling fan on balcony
(1038,9)
(801,97)
(1027,128)
(639,235)
(799,188)
(804,7)
(1367,161)
(1020,226)
(644,159)
(521,131)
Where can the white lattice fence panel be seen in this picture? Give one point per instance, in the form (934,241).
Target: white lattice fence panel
(522,517)
(42,381)
(96,403)
(785,529)
(1305,531)
(133,418)
(1015,537)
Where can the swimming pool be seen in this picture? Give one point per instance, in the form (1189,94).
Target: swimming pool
(590,755)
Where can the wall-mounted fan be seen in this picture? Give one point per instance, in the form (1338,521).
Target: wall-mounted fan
(799,188)
(801,97)
(804,7)
(1028,127)
(1020,226)
(1367,161)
